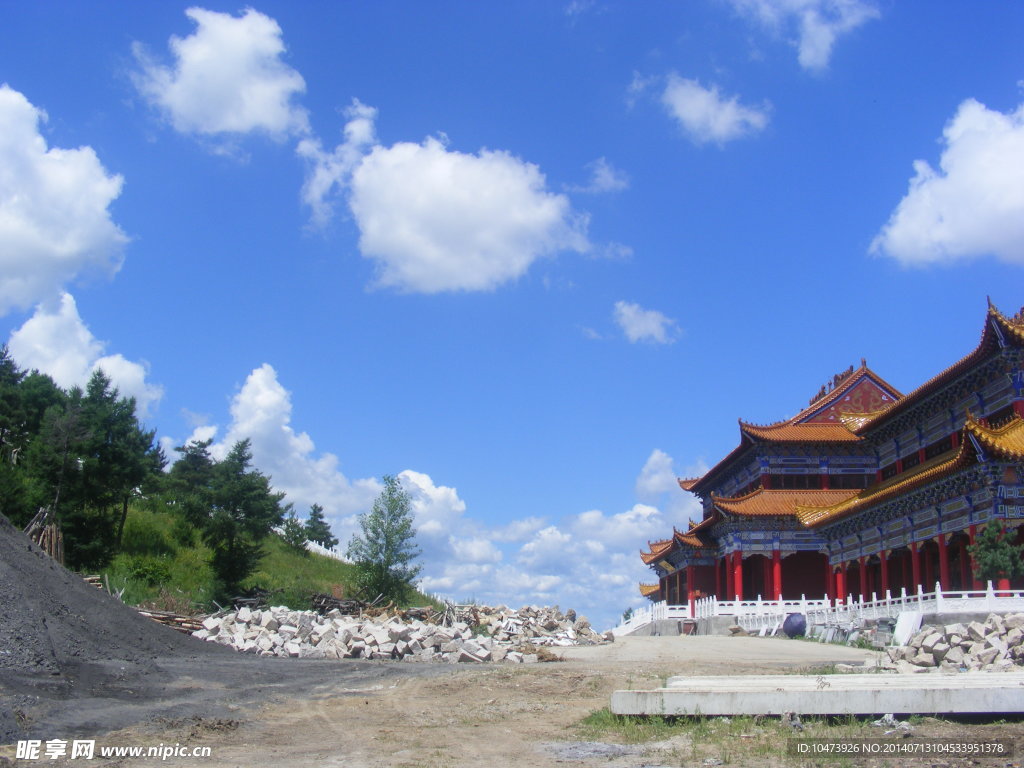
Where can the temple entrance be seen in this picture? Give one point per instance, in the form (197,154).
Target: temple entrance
(929,564)
(757,577)
(874,589)
(853,586)
(900,571)
(803,573)
(959,562)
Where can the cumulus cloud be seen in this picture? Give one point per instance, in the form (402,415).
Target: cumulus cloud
(587,561)
(434,219)
(228,77)
(646,325)
(262,412)
(437,220)
(817,23)
(56,342)
(328,172)
(604,177)
(55,225)
(707,116)
(974,204)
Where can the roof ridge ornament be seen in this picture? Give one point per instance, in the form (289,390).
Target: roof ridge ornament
(829,386)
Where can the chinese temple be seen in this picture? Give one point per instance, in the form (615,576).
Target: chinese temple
(865,490)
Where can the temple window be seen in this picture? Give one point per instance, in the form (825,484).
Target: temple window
(936,448)
(911,460)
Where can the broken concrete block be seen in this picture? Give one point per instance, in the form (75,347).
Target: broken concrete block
(977,631)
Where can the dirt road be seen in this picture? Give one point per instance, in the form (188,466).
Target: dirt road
(432,715)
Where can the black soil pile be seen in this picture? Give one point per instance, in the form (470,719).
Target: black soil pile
(61,637)
(77,663)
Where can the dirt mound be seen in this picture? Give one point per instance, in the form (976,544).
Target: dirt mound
(61,637)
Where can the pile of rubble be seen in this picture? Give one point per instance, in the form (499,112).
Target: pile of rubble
(498,635)
(997,644)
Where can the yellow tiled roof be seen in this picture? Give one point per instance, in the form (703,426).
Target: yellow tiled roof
(649,589)
(764,503)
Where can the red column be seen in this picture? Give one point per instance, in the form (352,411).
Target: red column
(864,594)
(690,571)
(737,575)
(1018,408)
(883,556)
(975,581)
(777,573)
(956,439)
(841,582)
(730,593)
(825,484)
(943,563)
(915,567)
(766,481)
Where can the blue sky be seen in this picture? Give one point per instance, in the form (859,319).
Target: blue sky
(536,257)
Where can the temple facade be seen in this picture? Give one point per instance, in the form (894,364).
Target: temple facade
(865,490)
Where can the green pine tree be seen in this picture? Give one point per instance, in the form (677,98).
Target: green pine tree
(995,555)
(318,530)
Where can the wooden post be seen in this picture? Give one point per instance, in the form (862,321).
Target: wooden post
(737,576)
(690,571)
(777,573)
(841,582)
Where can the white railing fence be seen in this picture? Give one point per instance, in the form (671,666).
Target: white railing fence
(757,615)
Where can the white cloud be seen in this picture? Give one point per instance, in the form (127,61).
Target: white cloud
(437,509)
(974,204)
(328,171)
(56,342)
(436,220)
(706,116)
(818,23)
(657,476)
(228,77)
(589,562)
(262,412)
(637,524)
(55,225)
(646,325)
(604,177)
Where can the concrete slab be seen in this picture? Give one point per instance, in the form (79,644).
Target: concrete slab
(856,694)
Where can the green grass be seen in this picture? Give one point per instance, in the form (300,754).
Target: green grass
(737,740)
(165,565)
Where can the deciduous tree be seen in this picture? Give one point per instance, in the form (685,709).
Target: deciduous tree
(383,554)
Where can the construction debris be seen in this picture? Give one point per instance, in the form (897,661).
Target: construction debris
(997,644)
(499,635)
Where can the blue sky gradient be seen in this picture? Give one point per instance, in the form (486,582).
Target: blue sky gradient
(536,257)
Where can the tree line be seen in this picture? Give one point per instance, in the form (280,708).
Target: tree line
(85,455)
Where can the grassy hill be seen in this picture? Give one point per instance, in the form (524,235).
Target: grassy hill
(164,565)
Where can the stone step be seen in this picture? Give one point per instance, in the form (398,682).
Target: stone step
(853,694)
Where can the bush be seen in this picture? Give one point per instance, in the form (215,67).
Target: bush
(149,570)
(147,534)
